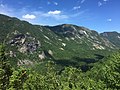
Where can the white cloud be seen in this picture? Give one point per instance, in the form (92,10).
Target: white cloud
(56,12)
(28,16)
(105,0)
(82,1)
(78,14)
(57,15)
(99,4)
(77,7)
(109,20)
(56,3)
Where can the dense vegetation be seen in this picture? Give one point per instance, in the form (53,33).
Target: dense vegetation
(112,37)
(26,42)
(105,75)
(63,57)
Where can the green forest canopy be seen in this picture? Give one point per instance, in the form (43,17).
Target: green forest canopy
(105,75)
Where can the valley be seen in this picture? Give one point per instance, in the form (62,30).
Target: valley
(69,53)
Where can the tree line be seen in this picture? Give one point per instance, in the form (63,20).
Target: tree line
(105,75)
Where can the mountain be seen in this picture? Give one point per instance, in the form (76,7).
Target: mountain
(90,38)
(113,37)
(29,43)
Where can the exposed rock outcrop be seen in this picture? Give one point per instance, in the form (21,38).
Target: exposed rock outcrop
(25,43)
(42,55)
(50,52)
(24,62)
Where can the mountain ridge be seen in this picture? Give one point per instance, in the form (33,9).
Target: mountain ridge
(28,43)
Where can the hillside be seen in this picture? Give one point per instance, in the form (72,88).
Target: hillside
(62,57)
(105,75)
(113,37)
(59,45)
(29,43)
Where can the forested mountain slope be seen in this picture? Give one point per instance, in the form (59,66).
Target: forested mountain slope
(105,75)
(113,37)
(28,44)
(62,57)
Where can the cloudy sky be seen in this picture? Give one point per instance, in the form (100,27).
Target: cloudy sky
(99,15)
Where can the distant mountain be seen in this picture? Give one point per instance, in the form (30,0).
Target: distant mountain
(33,43)
(113,37)
(83,35)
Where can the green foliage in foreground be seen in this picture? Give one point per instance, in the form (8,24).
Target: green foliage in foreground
(105,75)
